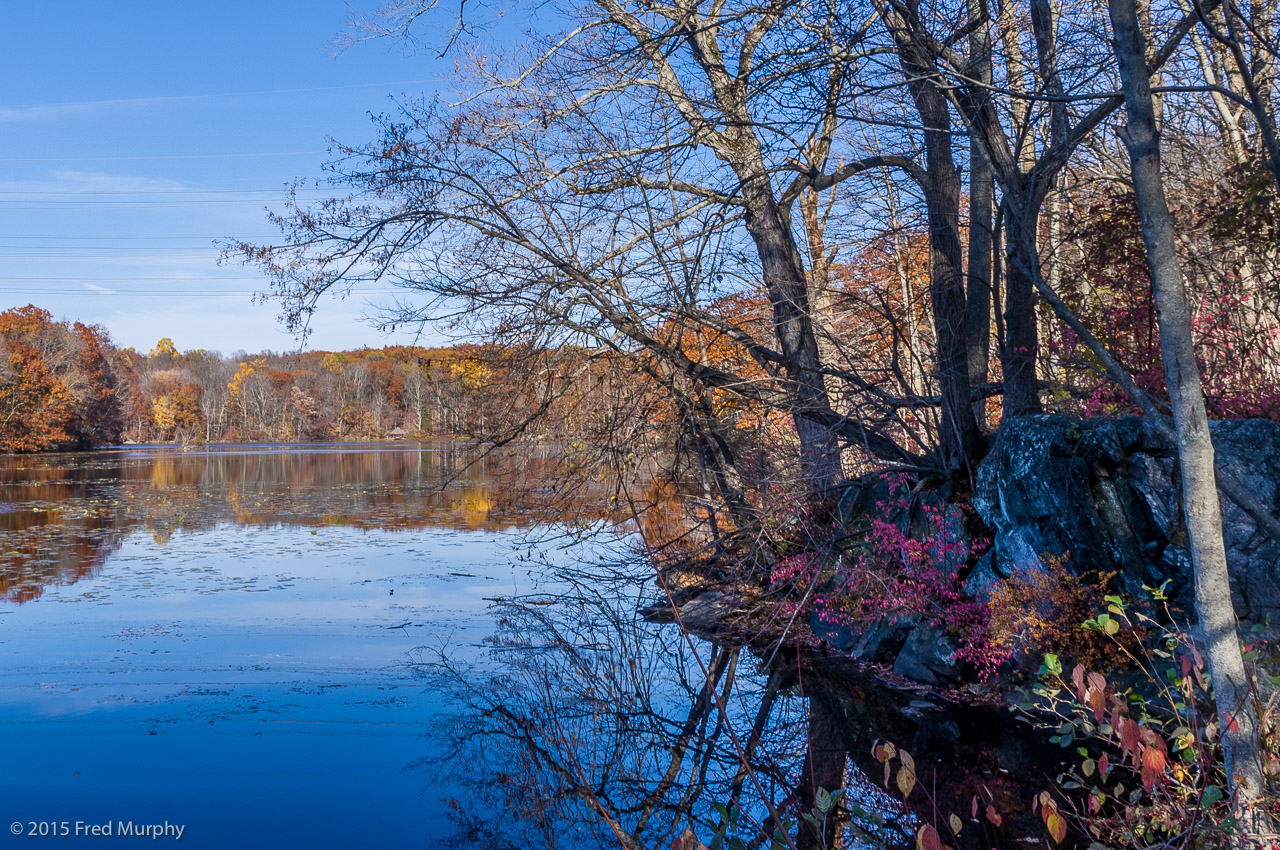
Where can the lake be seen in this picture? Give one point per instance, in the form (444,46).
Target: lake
(391,645)
(222,640)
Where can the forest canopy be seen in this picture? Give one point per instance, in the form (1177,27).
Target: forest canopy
(65,385)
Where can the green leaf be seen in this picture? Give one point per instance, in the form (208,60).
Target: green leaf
(1211,797)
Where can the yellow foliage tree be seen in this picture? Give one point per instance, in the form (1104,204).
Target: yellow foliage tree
(164,349)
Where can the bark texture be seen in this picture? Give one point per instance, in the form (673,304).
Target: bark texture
(981,199)
(958,429)
(1236,709)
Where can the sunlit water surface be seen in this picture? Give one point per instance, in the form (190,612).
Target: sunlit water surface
(221,640)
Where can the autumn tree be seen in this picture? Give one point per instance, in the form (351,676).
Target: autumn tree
(59,383)
(528,206)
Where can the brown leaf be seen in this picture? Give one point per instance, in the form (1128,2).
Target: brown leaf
(994,816)
(1057,826)
(1130,736)
(1098,701)
(927,838)
(1153,763)
(955,824)
(687,841)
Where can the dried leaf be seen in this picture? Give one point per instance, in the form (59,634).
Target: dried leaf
(1057,826)
(927,838)
(1095,802)
(955,824)
(1130,735)
(994,816)
(906,780)
(687,841)
(1153,763)
(1098,702)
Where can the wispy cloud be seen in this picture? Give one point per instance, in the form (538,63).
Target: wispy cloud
(85,108)
(114,106)
(101,290)
(70,181)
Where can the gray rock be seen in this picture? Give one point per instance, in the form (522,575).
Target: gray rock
(879,643)
(928,656)
(982,578)
(1105,494)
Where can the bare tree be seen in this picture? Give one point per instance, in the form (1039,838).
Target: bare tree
(609,187)
(1237,712)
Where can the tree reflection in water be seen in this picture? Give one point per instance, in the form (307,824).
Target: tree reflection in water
(590,726)
(61,516)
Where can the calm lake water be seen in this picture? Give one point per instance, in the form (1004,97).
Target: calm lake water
(221,640)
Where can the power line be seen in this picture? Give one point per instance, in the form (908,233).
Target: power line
(141,205)
(104,258)
(161,157)
(124,236)
(158,293)
(48,250)
(273,190)
(209,95)
(126,279)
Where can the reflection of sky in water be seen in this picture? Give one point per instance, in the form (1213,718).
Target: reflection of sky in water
(246,680)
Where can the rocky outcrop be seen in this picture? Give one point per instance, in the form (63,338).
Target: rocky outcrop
(1105,494)
(1098,494)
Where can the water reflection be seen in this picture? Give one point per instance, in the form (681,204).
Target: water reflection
(596,728)
(62,515)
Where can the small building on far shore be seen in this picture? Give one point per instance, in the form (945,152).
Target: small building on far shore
(396,433)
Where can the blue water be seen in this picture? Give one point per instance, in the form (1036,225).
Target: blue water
(247,681)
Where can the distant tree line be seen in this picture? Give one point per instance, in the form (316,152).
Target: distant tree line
(64,385)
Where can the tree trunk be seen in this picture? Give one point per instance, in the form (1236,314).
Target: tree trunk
(1022,339)
(958,429)
(981,198)
(1236,709)
(788,289)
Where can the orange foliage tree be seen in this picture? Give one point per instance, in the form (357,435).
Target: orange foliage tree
(57,385)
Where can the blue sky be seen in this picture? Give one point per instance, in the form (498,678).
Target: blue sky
(134,134)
